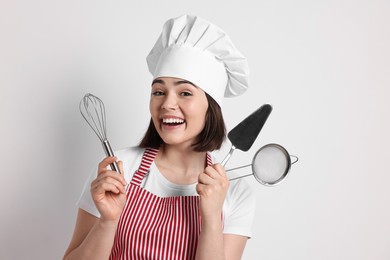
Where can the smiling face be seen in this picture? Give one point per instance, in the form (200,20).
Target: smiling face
(178,109)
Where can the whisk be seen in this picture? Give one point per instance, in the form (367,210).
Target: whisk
(93,111)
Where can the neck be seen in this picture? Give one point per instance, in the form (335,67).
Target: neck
(180,165)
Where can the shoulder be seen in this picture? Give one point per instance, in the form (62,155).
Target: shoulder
(131,158)
(130,151)
(240,192)
(239,208)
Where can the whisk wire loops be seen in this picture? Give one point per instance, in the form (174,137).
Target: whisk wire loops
(93,111)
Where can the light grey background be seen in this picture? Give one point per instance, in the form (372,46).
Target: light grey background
(323,65)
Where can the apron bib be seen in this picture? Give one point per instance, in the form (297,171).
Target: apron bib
(152,227)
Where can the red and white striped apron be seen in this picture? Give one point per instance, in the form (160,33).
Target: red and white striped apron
(152,227)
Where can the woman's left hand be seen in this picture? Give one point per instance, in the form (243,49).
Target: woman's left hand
(212,188)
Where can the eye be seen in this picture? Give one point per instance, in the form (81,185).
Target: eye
(186,93)
(157,93)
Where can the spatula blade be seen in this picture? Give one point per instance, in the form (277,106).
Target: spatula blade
(245,133)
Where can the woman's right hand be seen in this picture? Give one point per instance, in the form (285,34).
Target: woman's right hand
(109,191)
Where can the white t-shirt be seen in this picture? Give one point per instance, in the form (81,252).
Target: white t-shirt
(238,209)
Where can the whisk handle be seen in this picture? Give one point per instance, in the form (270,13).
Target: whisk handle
(109,152)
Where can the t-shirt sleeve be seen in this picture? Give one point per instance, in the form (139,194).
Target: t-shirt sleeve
(85,201)
(239,209)
(130,157)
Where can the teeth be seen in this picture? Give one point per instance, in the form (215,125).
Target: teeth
(172,121)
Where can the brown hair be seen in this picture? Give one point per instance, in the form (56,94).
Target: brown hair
(210,139)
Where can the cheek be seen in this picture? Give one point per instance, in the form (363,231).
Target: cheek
(153,113)
(200,110)
(153,107)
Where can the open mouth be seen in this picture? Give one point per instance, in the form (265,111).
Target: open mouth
(172,121)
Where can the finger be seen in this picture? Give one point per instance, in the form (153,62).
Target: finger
(219,169)
(120,166)
(111,175)
(107,187)
(122,173)
(106,161)
(212,172)
(216,171)
(203,178)
(201,188)
(107,183)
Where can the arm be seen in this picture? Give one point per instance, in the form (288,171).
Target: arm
(93,237)
(234,246)
(213,244)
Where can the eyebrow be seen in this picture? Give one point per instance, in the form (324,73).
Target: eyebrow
(176,83)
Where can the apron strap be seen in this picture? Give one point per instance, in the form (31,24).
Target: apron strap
(143,169)
(209,160)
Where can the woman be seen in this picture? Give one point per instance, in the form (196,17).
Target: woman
(170,201)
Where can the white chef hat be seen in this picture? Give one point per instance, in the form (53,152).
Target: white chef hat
(196,50)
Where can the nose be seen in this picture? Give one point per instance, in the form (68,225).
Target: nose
(170,102)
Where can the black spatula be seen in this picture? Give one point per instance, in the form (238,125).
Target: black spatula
(245,133)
